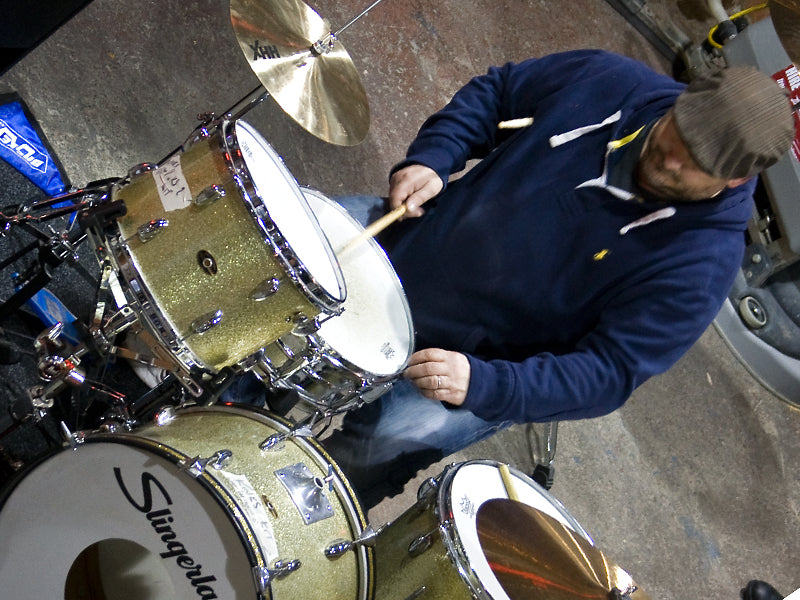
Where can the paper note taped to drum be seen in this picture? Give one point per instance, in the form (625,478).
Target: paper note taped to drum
(172,186)
(255,512)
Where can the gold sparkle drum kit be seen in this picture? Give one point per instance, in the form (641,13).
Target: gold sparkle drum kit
(214,262)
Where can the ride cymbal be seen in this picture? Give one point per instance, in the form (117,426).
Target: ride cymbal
(536,557)
(320,88)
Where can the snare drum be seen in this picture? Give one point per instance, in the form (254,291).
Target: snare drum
(354,356)
(435,544)
(219,252)
(185,510)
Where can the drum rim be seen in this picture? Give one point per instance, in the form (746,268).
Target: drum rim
(220,494)
(270,232)
(396,283)
(355,515)
(156,321)
(450,536)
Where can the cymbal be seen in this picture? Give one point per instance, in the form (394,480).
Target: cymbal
(536,557)
(321,90)
(786,19)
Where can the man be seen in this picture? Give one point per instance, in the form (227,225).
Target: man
(583,254)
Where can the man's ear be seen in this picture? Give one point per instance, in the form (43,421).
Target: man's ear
(732,183)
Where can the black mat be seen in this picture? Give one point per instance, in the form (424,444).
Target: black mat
(25,434)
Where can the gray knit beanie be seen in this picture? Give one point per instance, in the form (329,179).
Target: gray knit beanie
(735,122)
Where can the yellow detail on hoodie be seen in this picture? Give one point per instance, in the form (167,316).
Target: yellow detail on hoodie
(602,254)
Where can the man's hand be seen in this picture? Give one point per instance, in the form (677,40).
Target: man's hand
(440,374)
(413,185)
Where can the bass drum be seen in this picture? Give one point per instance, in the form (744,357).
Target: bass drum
(192,508)
(433,550)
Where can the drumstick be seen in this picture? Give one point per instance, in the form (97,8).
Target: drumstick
(375,228)
(505,474)
(515,123)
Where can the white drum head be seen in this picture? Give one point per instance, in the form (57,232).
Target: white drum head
(473,484)
(374,332)
(130,502)
(288,208)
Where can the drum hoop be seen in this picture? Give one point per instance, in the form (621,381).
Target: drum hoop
(159,323)
(450,536)
(354,514)
(232,510)
(334,357)
(270,231)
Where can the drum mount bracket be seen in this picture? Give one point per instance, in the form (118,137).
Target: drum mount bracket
(339,547)
(307,491)
(281,568)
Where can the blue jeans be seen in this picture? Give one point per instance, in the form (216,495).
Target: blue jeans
(382,445)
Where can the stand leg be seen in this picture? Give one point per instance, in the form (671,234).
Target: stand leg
(542,439)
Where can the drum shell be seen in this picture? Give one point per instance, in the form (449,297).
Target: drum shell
(443,567)
(399,575)
(354,357)
(168,269)
(95,510)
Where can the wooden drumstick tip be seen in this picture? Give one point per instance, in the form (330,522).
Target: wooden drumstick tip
(515,123)
(508,482)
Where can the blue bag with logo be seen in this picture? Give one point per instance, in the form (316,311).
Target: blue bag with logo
(23,148)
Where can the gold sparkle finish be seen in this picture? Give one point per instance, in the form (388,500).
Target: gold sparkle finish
(168,264)
(204,431)
(398,574)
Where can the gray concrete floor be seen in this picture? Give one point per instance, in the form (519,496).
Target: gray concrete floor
(693,486)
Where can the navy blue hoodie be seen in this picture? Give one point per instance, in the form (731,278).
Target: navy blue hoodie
(565,293)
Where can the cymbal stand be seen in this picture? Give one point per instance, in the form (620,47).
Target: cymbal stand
(54,248)
(325,45)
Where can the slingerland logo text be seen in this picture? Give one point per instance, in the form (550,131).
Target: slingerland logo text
(154,500)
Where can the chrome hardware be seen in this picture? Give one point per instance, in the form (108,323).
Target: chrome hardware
(141,168)
(119,322)
(206,322)
(207,262)
(209,195)
(73,439)
(276,438)
(281,568)
(202,131)
(196,466)
(339,547)
(150,230)
(420,544)
(266,289)
(63,249)
(417,593)
(306,491)
(269,506)
(165,416)
(303,325)
(427,490)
